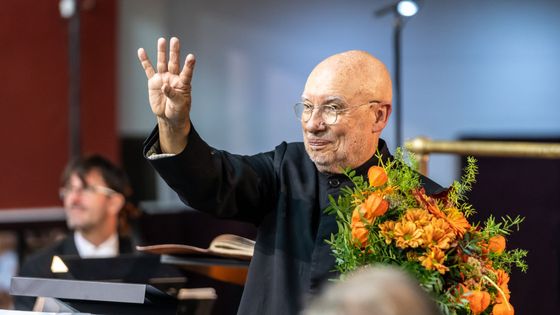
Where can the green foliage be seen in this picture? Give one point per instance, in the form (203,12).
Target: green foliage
(508,258)
(492,228)
(459,189)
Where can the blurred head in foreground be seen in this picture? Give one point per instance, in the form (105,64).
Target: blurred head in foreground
(378,290)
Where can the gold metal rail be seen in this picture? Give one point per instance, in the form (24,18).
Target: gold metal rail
(423,147)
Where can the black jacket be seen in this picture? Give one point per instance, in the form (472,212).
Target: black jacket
(284,195)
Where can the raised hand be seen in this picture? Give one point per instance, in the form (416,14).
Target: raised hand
(169,92)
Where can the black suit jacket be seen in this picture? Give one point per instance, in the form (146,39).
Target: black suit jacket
(284,195)
(38,265)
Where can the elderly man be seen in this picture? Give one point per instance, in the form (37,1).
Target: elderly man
(344,107)
(93,194)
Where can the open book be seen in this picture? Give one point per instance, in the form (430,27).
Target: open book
(225,245)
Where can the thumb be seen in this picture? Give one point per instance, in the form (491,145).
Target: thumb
(167,91)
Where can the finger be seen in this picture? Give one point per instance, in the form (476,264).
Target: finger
(174,52)
(188,69)
(161,57)
(146,64)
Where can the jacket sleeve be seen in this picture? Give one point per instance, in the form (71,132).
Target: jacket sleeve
(217,182)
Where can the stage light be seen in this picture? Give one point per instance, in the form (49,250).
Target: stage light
(407,8)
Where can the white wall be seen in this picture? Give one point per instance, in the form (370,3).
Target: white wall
(469,67)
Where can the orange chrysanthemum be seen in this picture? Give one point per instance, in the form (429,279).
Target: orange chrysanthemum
(433,260)
(453,216)
(386,229)
(420,217)
(438,234)
(457,221)
(502,280)
(407,234)
(427,202)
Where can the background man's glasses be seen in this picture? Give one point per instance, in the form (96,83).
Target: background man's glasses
(329,112)
(88,190)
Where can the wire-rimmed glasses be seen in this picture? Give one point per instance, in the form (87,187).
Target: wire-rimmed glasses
(329,112)
(87,190)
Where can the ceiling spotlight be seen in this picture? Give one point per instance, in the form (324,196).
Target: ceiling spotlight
(407,8)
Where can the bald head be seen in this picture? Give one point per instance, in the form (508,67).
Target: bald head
(352,74)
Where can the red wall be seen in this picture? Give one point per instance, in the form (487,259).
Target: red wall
(34,95)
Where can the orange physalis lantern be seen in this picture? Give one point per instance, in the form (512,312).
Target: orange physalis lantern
(377,176)
(478,301)
(359,230)
(503,309)
(374,206)
(497,244)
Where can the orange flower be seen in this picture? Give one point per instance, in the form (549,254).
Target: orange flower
(371,208)
(497,244)
(503,309)
(478,300)
(407,234)
(359,230)
(433,260)
(502,277)
(377,176)
(386,229)
(457,221)
(438,234)
(360,235)
(374,206)
(502,280)
(420,217)
(459,291)
(454,217)
(427,202)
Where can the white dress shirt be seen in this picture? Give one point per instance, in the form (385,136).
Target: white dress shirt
(109,248)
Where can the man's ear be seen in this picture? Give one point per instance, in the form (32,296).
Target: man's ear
(382,113)
(116,203)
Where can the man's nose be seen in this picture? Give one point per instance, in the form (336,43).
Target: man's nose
(73,196)
(316,121)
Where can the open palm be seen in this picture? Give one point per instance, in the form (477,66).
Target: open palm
(169,90)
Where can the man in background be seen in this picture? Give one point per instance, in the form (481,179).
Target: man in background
(94,194)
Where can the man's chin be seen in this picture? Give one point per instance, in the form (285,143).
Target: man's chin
(326,166)
(74,225)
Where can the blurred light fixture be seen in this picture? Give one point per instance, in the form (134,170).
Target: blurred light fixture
(402,11)
(67,8)
(407,8)
(400,8)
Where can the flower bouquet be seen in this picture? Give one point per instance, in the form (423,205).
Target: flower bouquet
(388,218)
